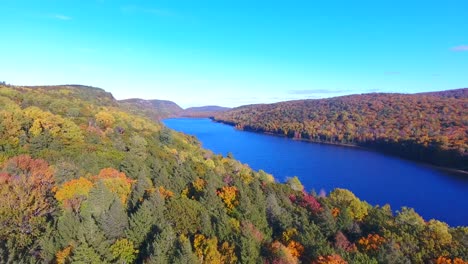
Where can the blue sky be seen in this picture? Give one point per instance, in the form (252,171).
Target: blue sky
(231,53)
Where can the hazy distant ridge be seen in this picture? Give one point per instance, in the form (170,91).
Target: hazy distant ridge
(160,109)
(204,111)
(154,109)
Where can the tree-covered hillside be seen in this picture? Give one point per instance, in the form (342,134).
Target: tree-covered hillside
(83,180)
(154,109)
(203,111)
(161,109)
(427,127)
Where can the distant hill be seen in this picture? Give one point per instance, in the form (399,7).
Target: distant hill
(161,109)
(457,93)
(428,127)
(154,109)
(203,111)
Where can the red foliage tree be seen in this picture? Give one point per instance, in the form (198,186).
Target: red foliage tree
(307,201)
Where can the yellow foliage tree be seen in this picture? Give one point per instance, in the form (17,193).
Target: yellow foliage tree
(345,199)
(228,255)
(207,249)
(123,251)
(73,192)
(10,127)
(289,234)
(117,182)
(229,196)
(104,119)
(199,184)
(62,256)
(56,125)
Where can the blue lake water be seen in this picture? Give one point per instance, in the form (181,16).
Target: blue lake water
(373,177)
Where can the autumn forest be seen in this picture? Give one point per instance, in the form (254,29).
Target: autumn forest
(85,178)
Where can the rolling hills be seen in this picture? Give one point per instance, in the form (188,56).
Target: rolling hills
(203,111)
(85,179)
(155,109)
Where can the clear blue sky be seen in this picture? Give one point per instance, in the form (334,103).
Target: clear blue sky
(236,52)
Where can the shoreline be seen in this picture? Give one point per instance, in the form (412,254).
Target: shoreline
(439,172)
(452,171)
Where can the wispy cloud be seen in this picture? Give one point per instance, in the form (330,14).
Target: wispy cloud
(460,48)
(61,17)
(317,91)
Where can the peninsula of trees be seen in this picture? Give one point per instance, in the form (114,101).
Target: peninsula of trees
(426,127)
(85,179)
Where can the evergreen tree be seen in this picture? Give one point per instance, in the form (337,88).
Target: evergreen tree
(144,220)
(114,222)
(85,254)
(184,253)
(99,200)
(162,247)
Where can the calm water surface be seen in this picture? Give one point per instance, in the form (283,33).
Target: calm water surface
(373,177)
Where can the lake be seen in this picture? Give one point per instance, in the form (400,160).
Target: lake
(373,177)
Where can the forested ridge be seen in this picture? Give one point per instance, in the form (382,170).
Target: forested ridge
(427,127)
(154,109)
(84,180)
(161,109)
(203,111)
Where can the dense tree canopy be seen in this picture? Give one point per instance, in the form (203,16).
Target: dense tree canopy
(84,181)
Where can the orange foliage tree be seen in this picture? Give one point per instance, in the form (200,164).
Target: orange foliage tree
(117,182)
(164,192)
(294,247)
(281,254)
(446,260)
(332,259)
(62,255)
(73,192)
(26,194)
(371,242)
